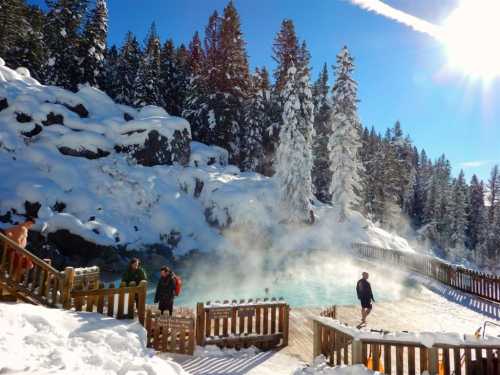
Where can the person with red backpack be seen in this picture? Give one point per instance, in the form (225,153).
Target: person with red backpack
(167,289)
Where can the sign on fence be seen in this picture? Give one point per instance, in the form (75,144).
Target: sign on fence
(262,323)
(173,334)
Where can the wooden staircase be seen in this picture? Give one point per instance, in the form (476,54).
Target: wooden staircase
(40,285)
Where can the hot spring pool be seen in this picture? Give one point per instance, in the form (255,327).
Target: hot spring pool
(302,282)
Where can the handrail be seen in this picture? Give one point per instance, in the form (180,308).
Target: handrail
(477,283)
(33,257)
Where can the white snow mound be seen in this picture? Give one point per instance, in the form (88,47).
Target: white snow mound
(38,340)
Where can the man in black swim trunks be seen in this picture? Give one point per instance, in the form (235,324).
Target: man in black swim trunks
(365,295)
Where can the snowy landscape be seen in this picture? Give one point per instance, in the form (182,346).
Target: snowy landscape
(247,181)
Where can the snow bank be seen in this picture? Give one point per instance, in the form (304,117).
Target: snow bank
(37,340)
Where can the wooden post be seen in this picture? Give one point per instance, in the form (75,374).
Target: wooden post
(286,324)
(433,361)
(316,339)
(357,356)
(141,304)
(121,300)
(200,323)
(69,277)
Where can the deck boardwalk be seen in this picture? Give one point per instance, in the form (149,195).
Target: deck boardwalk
(440,310)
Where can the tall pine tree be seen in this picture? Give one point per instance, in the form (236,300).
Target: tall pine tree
(92,48)
(147,80)
(294,156)
(321,172)
(127,66)
(62,38)
(345,142)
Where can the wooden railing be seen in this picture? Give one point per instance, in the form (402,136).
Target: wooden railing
(173,334)
(262,323)
(41,284)
(124,302)
(470,281)
(391,353)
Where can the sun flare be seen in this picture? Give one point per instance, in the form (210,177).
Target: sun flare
(472,37)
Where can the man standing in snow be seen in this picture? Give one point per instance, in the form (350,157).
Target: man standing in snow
(165,290)
(134,272)
(365,295)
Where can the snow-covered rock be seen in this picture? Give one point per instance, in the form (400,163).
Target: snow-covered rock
(38,340)
(89,123)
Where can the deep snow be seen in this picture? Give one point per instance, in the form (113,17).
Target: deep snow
(38,340)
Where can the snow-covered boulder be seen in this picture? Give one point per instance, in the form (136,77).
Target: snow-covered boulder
(203,155)
(88,123)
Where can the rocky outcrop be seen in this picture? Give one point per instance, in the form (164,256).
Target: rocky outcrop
(160,150)
(53,119)
(83,153)
(4,104)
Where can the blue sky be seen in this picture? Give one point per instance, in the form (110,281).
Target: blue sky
(400,72)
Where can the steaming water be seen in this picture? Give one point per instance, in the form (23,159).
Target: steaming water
(304,281)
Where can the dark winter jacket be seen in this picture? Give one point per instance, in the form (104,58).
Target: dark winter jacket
(165,292)
(134,275)
(364,290)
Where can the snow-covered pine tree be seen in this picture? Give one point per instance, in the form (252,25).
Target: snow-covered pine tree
(286,52)
(294,155)
(372,164)
(62,41)
(257,120)
(476,220)
(28,49)
(147,80)
(168,81)
(13,24)
(127,66)
(321,172)
(92,48)
(228,81)
(422,186)
(493,230)
(183,74)
(345,142)
(458,213)
(493,193)
(111,82)
(196,100)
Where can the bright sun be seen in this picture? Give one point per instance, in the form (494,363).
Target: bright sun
(472,37)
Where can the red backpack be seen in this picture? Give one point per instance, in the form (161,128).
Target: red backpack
(178,285)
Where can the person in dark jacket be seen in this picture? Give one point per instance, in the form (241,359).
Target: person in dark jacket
(165,291)
(134,272)
(365,295)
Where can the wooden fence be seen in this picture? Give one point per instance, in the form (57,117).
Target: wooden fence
(395,356)
(470,281)
(173,334)
(262,323)
(124,302)
(40,284)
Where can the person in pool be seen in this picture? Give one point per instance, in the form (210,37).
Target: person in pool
(365,295)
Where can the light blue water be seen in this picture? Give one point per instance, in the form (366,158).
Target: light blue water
(314,280)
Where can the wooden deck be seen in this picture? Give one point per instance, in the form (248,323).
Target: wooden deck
(442,310)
